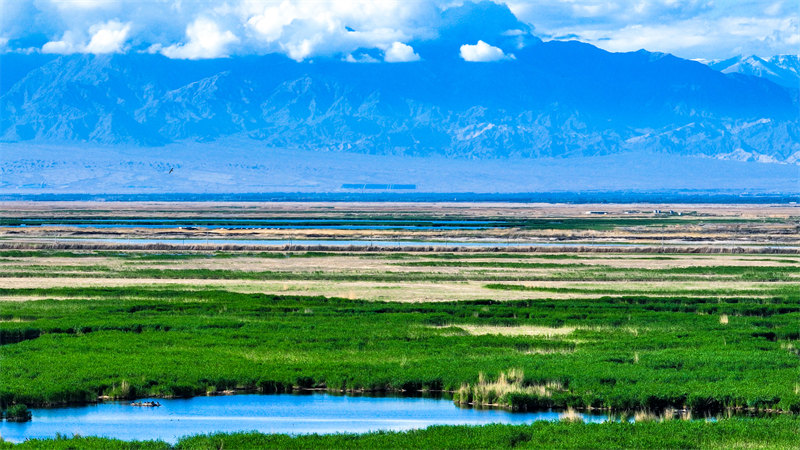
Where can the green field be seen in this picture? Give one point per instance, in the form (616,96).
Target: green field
(623,353)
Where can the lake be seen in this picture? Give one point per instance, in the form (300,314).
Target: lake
(281,413)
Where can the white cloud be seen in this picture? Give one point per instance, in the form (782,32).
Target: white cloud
(304,29)
(400,52)
(299,51)
(482,52)
(270,22)
(206,40)
(108,37)
(67,44)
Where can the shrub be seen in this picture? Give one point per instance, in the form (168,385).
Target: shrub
(18,413)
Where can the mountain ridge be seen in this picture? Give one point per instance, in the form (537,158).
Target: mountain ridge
(555,99)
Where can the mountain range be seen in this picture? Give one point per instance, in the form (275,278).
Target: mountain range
(554,99)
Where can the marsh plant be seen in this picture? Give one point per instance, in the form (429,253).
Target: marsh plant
(506,391)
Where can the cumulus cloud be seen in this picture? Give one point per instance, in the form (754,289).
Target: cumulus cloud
(400,52)
(205,40)
(306,29)
(65,45)
(108,37)
(482,52)
(269,23)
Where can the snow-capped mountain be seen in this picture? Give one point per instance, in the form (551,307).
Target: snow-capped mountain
(781,69)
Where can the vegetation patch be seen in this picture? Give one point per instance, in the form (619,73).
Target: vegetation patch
(509,390)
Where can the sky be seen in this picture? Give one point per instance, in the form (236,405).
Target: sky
(304,30)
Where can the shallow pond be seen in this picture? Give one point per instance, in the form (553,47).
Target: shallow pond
(282,413)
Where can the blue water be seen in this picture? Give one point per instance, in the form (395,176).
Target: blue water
(283,413)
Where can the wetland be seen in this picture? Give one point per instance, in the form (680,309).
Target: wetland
(709,326)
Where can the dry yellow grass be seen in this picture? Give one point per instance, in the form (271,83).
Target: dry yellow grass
(367,290)
(486,392)
(570,415)
(479,330)
(645,416)
(549,351)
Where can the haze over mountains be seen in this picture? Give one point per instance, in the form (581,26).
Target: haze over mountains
(535,100)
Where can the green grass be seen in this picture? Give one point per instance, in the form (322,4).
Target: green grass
(785,291)
(488,272)
(627,353)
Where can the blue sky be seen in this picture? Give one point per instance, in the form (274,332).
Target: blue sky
(303,30)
